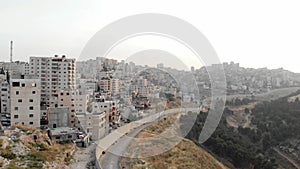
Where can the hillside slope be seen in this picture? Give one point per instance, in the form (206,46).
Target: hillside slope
(26,147)
(184,155)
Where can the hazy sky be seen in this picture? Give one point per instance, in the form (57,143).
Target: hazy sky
(257,33)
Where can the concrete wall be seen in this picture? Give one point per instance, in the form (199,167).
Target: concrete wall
(58,116)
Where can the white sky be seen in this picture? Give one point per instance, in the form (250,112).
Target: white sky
(257,33)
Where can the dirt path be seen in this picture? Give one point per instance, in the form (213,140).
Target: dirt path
(83,157)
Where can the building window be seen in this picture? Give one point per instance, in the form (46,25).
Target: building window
(31,123)
(17,92)
(16,84)
(30,115)
(20,100)
(33,84)
(31,100)
(16,116)
(16,108)
(31,108)
(33,92)
(23,84)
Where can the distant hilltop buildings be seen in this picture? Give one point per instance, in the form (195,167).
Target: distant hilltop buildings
(251,81)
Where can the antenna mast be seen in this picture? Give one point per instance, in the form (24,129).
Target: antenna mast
(11,51)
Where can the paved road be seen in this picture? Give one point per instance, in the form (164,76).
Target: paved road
(115,142)
(110,160)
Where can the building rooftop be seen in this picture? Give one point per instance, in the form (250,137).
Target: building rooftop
(63,130)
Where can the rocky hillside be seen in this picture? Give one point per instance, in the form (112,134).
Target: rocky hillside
(184,155)
(25,147)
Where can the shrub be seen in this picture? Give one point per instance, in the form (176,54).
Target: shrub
(8,155)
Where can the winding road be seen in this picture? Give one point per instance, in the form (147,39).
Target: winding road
(111,160)
(116,142)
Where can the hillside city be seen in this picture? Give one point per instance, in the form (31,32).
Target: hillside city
(82,102)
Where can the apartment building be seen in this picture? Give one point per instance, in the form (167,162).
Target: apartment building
(56,73)
(25,102)
(115,86)
(140,87)
(109,106)
(95,122)
(111,85)
(105,84)
(75,100)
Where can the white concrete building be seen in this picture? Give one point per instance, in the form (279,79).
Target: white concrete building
(94,123)
(56,73)
(115,86)
(25,102)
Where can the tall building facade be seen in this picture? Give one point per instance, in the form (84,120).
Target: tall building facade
(56,73)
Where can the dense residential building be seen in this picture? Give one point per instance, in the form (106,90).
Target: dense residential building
(56,73)
(115,86)
(88,69)
(105,84)
(75,100)
(95,122)
(109,106)
(110,85)
(140,87)
(25,102)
